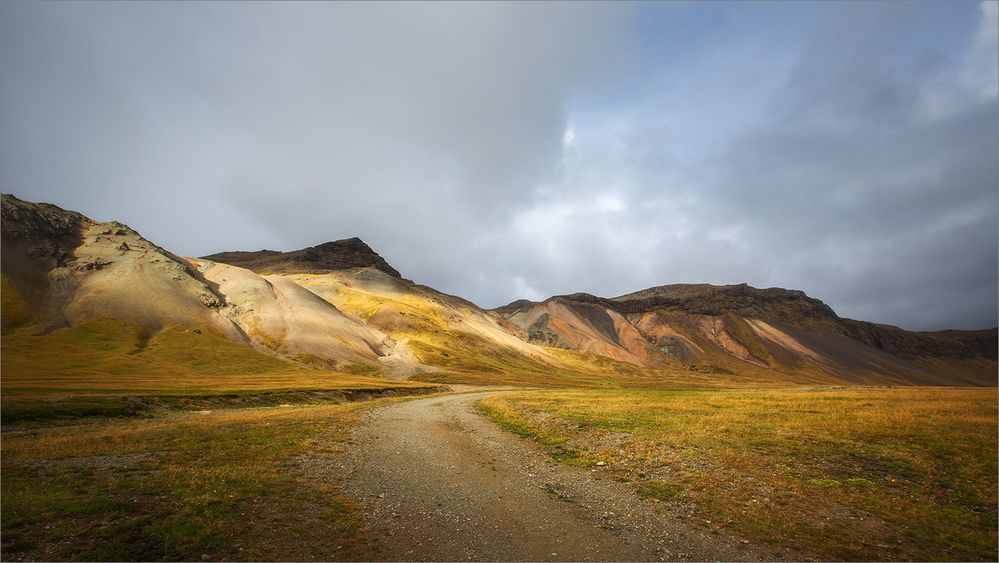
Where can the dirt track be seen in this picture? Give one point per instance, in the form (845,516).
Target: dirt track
(441,482)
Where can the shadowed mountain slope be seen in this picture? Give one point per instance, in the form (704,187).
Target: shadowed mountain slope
(35,238)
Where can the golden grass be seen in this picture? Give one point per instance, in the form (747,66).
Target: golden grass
(107,356)
(253,484)
(856,473)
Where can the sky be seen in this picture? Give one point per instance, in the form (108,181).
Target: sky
(522,150)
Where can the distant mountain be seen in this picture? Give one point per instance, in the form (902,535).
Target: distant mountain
(327,257)
(738,328)
(341,306)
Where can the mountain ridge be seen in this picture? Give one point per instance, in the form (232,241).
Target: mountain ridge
(775,303)
(339,305)
(326,257)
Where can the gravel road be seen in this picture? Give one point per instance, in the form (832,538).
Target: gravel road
(443,483)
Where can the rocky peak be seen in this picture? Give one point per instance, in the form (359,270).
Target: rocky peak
(580,297)
(36,238)
(329,256)
(515,305)
(41,230)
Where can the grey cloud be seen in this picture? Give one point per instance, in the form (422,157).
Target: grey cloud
(850,187)
(886,210)
(312,120)
(844,149)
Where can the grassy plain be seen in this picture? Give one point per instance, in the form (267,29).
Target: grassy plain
(841,474)
(237,484)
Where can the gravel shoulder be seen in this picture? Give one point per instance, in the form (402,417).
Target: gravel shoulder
(439,482)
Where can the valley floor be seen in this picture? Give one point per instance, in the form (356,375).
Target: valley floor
(795,474)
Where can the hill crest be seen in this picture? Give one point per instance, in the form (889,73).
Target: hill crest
(330,256)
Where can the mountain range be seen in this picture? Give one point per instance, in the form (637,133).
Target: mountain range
(339,306)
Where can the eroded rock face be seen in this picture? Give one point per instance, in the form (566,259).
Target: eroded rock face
(327,257)
(540,333)
(70,269)
(584,326)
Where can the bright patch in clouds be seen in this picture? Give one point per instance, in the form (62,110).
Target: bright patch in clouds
(610,202)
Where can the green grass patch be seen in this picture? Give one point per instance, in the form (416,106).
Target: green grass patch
(243,485)
(658,490)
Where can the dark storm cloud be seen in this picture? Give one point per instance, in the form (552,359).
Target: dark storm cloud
(871,196)
(499,151)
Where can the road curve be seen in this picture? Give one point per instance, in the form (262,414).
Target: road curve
(440,482)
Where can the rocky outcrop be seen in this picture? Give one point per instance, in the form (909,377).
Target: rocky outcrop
(36,238)
(911,345)
(327,257)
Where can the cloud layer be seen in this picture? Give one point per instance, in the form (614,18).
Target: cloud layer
(500,151)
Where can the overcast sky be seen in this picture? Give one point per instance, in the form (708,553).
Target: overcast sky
(502,151)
